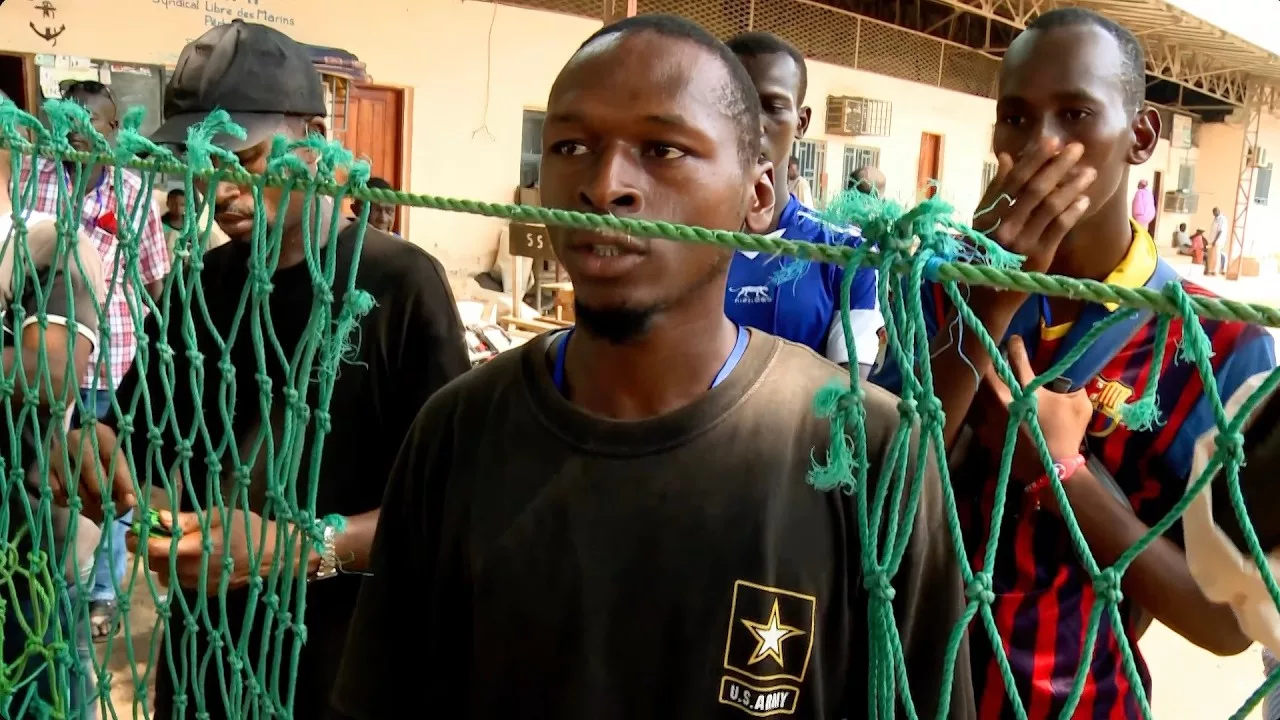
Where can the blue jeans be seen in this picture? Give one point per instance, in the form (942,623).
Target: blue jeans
(108,566)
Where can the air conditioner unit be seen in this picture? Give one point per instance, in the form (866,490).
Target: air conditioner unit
(1257,156)
(1181,203)
(855,116)
(1181,136)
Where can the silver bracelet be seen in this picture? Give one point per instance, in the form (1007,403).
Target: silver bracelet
(328,555)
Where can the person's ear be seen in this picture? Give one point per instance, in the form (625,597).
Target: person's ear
(761,200)
(802,125)
(316,126)
(1146,133)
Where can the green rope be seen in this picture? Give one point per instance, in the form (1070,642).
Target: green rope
(908,246)
(965,273)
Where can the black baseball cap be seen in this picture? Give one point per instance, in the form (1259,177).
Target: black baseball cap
(256,73)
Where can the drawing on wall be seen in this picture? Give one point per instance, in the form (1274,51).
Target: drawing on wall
(48,12)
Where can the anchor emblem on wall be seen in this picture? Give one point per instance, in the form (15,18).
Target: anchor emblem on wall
(47,11)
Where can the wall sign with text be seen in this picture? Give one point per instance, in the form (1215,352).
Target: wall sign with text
(531,241)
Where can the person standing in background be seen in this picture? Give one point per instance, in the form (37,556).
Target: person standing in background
(1144,206)
(797,301)
(409,345)
(1215,261)
(100,217)
(35,343)
(381,215)
(869,179)
(175,205)
(797,185)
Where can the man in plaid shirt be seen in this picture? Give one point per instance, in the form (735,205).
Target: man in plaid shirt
(107,206)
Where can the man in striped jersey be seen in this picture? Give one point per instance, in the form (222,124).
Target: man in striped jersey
(1071,122)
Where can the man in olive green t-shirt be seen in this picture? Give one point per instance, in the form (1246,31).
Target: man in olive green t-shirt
(614,521)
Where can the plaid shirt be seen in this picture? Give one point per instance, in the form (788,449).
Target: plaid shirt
(100,216)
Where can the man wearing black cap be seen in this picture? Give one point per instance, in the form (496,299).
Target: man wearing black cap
(408,346)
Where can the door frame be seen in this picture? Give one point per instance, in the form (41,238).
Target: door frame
(1157,194)
(403,177)
(30,79)
(937,162)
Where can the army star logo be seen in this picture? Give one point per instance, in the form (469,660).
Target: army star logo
(769,637)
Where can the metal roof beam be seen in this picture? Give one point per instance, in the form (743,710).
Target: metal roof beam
(1167,57)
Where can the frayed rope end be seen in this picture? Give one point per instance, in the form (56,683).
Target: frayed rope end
(1141,415)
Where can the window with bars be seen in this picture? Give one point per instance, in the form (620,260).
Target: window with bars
(1186,178)
(1262,188)
(856,156)
(531,147)
(812,156)
(988,174)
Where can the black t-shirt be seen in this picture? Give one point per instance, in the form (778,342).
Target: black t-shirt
(536,561)
(407,347)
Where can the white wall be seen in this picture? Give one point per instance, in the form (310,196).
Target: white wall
(1218,177)
(963,121)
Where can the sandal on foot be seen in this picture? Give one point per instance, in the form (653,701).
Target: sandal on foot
(104,617)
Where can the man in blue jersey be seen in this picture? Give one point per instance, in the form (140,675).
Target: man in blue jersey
(796,300)
(1071,121)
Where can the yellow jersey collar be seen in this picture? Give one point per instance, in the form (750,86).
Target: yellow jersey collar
(1138,265)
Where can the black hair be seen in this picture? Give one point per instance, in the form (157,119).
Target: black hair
(87,89)
(758,44)
(1133,73)
(1183,227)
(740,102)
(176,192)
(375,183)
(793,160)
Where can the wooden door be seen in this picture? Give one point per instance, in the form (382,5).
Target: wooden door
(16,79)
(375,132)
(930,164)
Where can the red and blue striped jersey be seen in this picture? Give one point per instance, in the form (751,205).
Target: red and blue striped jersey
(1044,596)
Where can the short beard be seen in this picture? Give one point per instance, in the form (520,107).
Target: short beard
(623,325)
(616,326)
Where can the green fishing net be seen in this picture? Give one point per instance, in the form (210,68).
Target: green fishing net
(41,676)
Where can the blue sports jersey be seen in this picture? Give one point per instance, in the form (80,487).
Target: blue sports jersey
(798,300)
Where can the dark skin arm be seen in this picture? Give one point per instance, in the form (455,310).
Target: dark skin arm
(57,347)
(154,289)
(1050,192)
(354,545)
(1049,189)
(1159,579)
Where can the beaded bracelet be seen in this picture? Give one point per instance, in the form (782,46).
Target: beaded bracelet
(1063,469)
